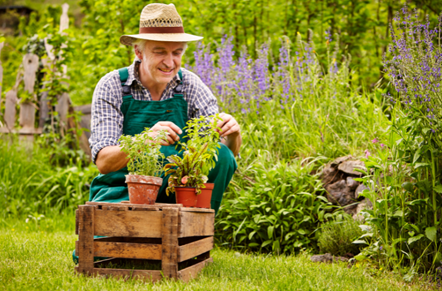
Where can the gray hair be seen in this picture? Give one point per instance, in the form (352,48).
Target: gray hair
(141,44)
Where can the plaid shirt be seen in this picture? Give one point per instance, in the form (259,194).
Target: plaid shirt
(107,118)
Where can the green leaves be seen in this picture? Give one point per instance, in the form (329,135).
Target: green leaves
(143,152)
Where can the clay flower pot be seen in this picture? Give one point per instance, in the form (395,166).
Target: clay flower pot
(143,189)
(203,200)
(186,196)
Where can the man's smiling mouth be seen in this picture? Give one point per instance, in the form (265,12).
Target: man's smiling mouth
(165,70)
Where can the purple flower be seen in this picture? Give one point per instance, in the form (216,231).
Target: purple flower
(375,140)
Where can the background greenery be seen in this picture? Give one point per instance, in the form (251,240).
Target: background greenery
(275,203)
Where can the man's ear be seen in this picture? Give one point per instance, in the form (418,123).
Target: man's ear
(138,53)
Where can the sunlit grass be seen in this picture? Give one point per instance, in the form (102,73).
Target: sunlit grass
(38,257)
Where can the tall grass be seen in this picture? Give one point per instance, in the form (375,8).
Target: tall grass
(30,184)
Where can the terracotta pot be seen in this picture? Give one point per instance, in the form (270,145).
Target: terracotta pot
(143,189)
(186,196)
(203,200)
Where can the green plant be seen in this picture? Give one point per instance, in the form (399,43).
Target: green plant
(143,152)
(337,236)
(200,153)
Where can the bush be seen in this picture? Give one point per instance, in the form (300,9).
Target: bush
(336,236)
(278,212)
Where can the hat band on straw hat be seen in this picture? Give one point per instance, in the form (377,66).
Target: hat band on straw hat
(178,29)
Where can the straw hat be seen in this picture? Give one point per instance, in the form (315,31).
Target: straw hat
(160,22)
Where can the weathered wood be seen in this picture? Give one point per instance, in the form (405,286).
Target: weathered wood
(30,66)
(86,238)
(44,109)
(10,110)
(146,240)
(125,273)
(64,19)
(196,224)
(169,262)
(1,72)
(127,250)
(193,209)
(192,271)
(62,108)
(127,223)
(194,249)
(27,117)
(76,220)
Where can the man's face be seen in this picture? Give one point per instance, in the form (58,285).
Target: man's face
(161,61)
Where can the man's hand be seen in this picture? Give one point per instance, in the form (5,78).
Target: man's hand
(230,132)
(171,129)
(228,125)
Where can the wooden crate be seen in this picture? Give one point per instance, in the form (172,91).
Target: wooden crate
(178,238)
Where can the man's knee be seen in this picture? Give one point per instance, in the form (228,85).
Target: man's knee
(226,158)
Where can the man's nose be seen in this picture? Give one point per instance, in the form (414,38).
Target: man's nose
(168,61)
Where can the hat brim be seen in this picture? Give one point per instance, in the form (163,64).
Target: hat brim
(171,37)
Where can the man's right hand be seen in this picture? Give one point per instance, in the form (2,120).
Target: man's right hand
(171,129)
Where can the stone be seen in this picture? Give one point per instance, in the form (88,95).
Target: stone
(339,160)
(330,175)
(327,258)
(350,166)
(359,189)
(339,193)
(364,204)
(352,184)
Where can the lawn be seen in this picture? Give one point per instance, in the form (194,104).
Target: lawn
(37,256)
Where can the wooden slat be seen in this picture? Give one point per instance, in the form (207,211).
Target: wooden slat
(86,238)
(194,209)
(27,117)
(151,275)
(76,221)
(194,249)
(169,263)
(196,224)
(127,223)
(10,111)
(127,250)
(1,72)
(192,271)
(30,66)
(22,131)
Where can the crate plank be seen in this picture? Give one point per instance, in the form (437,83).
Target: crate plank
(127,223)
(192,271)
(127,250)
(86,238)
(196,224)
(76,221)
(169,263)
(151,275)
(194,249)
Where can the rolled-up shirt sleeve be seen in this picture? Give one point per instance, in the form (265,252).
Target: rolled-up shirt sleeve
(107,118)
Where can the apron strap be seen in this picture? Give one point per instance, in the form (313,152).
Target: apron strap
(177,92)
(124,74)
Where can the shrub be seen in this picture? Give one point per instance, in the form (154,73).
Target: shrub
(277,212)
(336,236)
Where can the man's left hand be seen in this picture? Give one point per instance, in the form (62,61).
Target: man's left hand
(228,125)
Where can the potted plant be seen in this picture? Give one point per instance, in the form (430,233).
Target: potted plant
(188,174)
(144,166)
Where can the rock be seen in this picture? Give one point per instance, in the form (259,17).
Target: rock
(327,258)
(352,184)
(364,204)
(339,160)
(350,166)
(339,193)
(330,175)
(360,188)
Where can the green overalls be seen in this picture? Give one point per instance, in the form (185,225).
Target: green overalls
(140,114)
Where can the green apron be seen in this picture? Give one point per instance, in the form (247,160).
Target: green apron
(140,114)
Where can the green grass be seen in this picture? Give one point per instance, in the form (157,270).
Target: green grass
(38,257)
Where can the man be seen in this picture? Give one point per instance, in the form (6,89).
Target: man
(154,92)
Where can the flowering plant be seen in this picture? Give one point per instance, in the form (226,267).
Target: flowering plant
(200,153)
(144,153)
(415,70)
